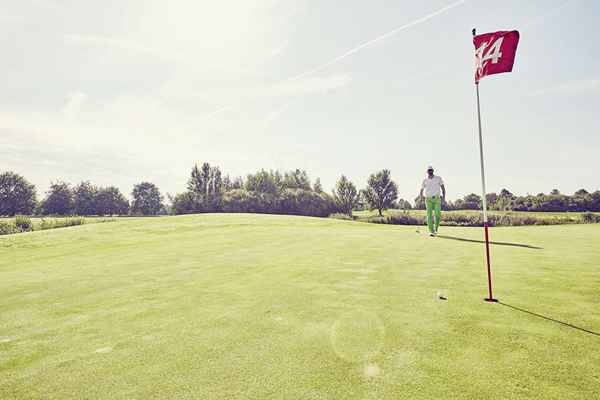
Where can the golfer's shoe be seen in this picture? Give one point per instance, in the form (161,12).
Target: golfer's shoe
(431,234)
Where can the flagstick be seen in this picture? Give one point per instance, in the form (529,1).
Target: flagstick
(490,298)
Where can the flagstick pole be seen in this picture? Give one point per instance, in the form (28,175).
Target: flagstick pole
(490,297)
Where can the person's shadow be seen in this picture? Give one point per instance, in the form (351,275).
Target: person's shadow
(550,319)
(527,246)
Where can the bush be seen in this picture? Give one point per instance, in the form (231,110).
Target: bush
(341,216)
(306,202)
(23,223)
(590,218)
(184,203)
(8,228)
(47,223)
(244,201)
(476,219)
(50,223)
(405,219)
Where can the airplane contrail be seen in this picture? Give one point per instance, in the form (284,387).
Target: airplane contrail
(377,39)
(349,53)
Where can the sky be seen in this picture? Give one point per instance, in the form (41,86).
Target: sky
(119,92)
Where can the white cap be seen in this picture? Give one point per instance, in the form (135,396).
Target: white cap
(429,168)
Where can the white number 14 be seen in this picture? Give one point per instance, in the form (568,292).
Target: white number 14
(493,54)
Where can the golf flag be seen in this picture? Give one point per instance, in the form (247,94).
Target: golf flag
(495,53)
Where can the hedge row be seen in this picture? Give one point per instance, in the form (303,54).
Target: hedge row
(470,219)
(24,224)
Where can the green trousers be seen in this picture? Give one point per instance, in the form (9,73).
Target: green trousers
(433,204)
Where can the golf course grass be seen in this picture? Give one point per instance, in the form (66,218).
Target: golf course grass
(224,306)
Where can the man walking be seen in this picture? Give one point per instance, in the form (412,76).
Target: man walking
(435,192)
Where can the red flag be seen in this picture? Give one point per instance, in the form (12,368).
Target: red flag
(495,53)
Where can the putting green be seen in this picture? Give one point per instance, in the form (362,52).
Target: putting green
(258,307)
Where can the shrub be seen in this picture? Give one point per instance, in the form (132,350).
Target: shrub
(50,223)
(8,227)
(405,219)
(73,221)
(590,218)
(241,200)
(184,203)
(341,216)
(23,223)
(467,219)
(47,223)
(305,202)
(457,218)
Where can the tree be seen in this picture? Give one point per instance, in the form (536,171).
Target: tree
(297,179)
(147,199)
(110,201)
(551,202)
(420,203)
(183,203)
(595,201)
(264,182)
(317,187)
(381,191)
(227,184)
(505,201)
(84,199)
(492,199)
(404,205)
(17,196)
(206,186)
(59,199)
(471,202)
(305,202)
(237,183)
(345,195)
(580,201)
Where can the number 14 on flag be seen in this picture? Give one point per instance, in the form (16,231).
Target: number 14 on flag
(495,53)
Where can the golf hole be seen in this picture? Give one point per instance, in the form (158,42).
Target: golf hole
(357,336)
(441,294)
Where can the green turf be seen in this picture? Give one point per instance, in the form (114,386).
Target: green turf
(280,307)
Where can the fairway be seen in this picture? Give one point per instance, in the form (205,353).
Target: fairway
(242,306)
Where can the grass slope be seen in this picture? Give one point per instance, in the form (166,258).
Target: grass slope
(261,307)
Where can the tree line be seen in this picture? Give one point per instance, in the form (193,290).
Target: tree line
(555,201)
(271,191)
(265,191)
(18,196)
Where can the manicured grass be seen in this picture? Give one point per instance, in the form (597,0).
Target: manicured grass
(280,307)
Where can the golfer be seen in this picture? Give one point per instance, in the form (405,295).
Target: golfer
(435,192)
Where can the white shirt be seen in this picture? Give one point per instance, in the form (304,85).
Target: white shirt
(433,186)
